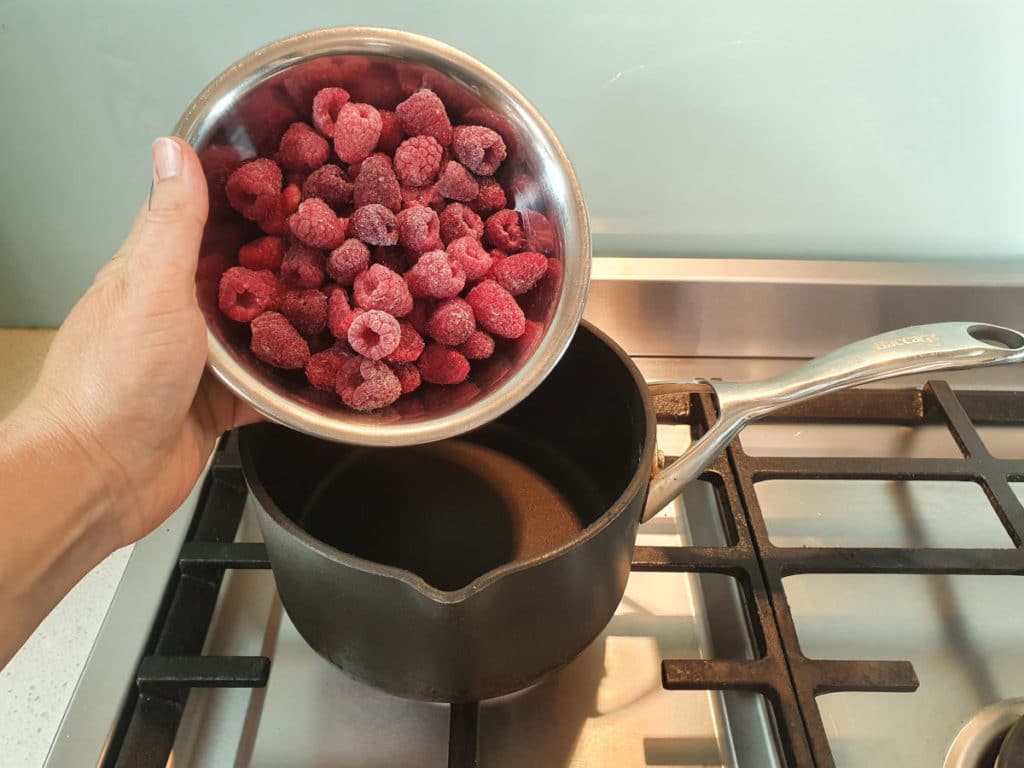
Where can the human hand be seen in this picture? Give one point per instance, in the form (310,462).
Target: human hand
(124,378)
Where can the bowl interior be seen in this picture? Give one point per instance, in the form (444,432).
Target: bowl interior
(244,113)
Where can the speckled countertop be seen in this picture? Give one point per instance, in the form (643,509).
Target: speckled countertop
(38,682)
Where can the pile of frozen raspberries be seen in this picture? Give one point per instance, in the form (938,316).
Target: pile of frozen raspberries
(391,256)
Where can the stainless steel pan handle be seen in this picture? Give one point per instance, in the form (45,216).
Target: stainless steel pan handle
(918,349)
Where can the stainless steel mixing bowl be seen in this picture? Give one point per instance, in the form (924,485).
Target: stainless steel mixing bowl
(249,105)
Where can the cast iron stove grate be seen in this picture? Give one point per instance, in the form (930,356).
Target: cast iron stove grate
(173,663)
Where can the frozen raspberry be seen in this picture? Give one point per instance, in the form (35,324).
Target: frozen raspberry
(490,198)
(253,188)
(480,149)
(393,257)
(275,341)
(496,310)
(436,275)
(356,131)
(326,106)
(245,293)
(457,220)
(306,309)
(219,161)
(328,182)
(417,160)
(540,235)
(302,149)
(442,365)
(475,261)
(497,122)
(366,385)
(316,224)
(262,253)
(374,334)
(519,272)
(391,133)
(452,322)
(303,83)
(348,260)
(428,196)
(380,288)
(408,376)
(420,312)
(456,183)
(423,114)
(496,258)
(410,346)
(377,183)
(374,225)
(419,229)
(302,267)
(323,368)
(276,220)
(504,230)
(339,314)
(479,346)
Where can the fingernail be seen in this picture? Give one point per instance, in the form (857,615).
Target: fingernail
(166,159)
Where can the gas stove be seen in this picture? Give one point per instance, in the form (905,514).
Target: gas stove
(836,589)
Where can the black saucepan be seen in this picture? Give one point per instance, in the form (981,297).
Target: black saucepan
(469,568)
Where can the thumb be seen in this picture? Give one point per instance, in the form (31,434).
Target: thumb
(168,231)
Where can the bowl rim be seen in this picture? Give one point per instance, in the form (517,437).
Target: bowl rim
(208,107)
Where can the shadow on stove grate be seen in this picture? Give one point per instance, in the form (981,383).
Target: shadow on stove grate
(789,681)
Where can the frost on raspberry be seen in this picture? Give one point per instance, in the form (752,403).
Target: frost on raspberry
(475,261)
(276,220)
(458,220)
(456,183)
(326,106)
(374,224)
(391,133)
(302,267)
(348,260)
(306,309)
(423,114)
(408,376)
(410,345)
(244,293)
(519,272)
(442,365)
(374,334)
(496,310)
(253,188)
(452,322)
(504,230)
(479,346)
(380,288)
(377,183)
(262,253)
(417,160)
(367,385)
(356,131)
(419,229)
(329,183)
(276,342)
(489,199)
(302,149)
(478,148)
(316,224)
(436,275)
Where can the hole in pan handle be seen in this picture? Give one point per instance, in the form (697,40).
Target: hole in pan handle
(914,350)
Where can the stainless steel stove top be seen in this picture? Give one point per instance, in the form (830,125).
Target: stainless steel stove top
(609,706)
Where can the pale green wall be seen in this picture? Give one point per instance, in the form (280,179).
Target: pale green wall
(801,127)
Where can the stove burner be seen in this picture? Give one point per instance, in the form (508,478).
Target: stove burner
(993,738)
